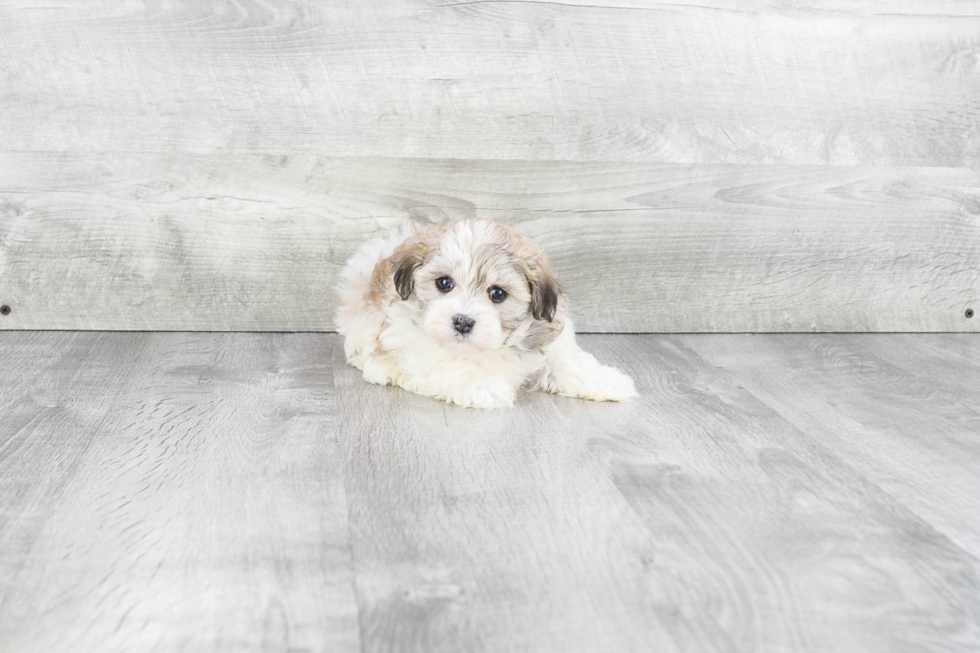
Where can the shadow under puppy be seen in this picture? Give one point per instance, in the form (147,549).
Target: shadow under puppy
(469,313)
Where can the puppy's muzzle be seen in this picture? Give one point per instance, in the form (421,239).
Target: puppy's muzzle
(463,324)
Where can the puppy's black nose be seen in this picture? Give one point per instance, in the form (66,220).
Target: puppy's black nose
(463,323)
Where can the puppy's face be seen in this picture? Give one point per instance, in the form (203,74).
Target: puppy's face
(475,283)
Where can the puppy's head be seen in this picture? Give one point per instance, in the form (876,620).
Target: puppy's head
(475,281)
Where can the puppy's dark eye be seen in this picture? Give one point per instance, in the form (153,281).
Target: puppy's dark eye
(445,284)
(497,295)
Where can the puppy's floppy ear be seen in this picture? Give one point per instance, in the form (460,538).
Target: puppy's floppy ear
(405,277)
(408,257)
(544,291)
(542,282)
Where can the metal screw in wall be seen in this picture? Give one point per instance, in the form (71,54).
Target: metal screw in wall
(969,313)
(4,310)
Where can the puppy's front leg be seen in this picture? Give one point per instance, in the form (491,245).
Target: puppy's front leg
(380,368)
(572,372)
(489,391)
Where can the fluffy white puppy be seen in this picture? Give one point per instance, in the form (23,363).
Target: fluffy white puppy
(469,313)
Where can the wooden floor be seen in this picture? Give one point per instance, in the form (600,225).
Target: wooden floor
(249,492)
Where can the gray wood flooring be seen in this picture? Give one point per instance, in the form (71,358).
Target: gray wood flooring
(249,492)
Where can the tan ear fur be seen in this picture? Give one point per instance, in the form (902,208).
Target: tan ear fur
(409,256)
(542,282)
(544,291)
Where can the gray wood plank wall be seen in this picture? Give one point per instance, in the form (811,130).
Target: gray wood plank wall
(699,166)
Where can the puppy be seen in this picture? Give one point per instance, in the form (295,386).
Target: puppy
(469,313)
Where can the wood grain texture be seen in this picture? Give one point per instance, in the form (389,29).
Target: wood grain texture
(218,492)
(767,536)
(745,532)
(693,166)
(799,83)
(255,242)
(171,492)
(915,404)
(488,531)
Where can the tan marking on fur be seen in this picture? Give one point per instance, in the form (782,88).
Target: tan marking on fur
(543,333)
(533,261)
(518,250)
(415,250)
(528,256)
(381,290)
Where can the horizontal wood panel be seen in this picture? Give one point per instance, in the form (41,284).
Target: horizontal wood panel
(254,242)
(801,83)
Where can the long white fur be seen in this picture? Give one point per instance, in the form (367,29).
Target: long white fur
(396,344)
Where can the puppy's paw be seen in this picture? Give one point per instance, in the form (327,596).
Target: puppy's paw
(377,370)
(608,384)
(487,393)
